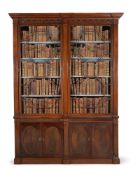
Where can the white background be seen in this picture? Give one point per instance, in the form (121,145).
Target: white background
(129,89)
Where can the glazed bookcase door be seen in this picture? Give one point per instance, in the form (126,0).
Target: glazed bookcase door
(40,69)
(90,73)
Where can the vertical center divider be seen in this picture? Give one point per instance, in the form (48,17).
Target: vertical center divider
(66,85)
(66,68)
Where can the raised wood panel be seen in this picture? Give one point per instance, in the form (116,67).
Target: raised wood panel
(52,140)
(79,138)
(30,139)
(102,140)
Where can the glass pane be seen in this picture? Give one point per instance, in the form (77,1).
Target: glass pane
(40,70)
(90,69)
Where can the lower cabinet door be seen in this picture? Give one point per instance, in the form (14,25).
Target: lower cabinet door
(91,140)
(30,139)
(79,140)
(53,138)
(102,140)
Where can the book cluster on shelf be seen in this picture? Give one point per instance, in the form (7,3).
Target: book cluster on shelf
(91,33)
(40,33)
(90,50)
(41,86)
(90,105)
(40,50)
(40,105)
(49,68)
(82,67)
(90,86)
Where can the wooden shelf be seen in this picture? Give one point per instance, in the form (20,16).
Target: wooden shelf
(92,59)
(41,96)
(39,42)
(90,42)
(82,76)
(37,77)
(43,60)
(93,95)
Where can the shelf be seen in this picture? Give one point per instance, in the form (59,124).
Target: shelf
(91,42)
(36,77)
(41,96)
(36,42)
(93,59)
(80,76)
(94,95)
(39,59)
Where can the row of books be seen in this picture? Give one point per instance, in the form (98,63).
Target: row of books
(50,68)
(41,86)
(40,33)
(40,105)
(81,67)
(91,33)
(90,86)
(91,105)
(91,50)
(40,51)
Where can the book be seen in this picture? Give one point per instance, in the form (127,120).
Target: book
(78,33)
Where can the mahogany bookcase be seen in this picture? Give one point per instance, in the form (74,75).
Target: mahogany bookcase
(66,87)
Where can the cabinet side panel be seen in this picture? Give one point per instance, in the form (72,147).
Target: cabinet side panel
(115,90)
(115,67)
(16,65)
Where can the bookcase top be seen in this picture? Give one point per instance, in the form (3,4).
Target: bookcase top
(65,15)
